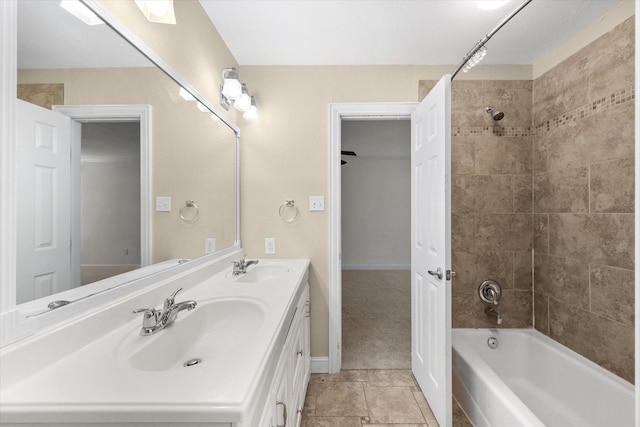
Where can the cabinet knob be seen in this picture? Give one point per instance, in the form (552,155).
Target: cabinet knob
(300,352)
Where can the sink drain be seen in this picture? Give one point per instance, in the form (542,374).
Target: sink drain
(192,362)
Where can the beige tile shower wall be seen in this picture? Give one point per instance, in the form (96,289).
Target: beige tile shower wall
(491,197)
(583,201)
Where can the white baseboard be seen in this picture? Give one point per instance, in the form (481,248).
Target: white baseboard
(319,365)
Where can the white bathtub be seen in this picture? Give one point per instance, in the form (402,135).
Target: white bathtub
(531,380)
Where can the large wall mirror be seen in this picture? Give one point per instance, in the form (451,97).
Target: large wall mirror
(120,170)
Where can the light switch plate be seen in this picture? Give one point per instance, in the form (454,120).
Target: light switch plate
(163,204)
(316,203)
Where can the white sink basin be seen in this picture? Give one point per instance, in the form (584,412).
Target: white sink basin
(214,327)
(261,272)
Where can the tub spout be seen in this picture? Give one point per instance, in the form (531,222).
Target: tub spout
(491,312)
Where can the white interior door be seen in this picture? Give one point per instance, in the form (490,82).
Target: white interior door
(431,248)
(44,201)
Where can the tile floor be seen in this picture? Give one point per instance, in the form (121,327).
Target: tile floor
(372,398)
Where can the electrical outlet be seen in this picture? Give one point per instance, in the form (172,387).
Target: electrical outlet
(209,245)
(163,204)
(270,245)
(316,203)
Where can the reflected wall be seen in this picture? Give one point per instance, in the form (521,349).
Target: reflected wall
(193,153)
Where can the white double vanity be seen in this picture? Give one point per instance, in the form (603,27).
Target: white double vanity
(239,358)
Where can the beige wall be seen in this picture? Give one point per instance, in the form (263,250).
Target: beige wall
(584,201)
(190,152)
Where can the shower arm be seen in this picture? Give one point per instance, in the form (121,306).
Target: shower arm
(486,38)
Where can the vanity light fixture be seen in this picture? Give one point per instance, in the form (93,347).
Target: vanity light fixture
(81,12)
(252,112)
(243,102)
(231,87)
(235,92)
(158,11)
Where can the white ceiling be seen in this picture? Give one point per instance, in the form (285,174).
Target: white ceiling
(416,32)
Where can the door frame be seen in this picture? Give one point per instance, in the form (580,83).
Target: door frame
(338,113)
(117,113)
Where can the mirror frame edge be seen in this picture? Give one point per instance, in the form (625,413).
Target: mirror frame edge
(8,59)
(14,326)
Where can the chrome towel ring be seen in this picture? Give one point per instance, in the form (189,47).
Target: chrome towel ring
(289,211)
(189,212)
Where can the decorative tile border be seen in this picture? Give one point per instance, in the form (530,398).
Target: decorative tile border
(495,130)
(593,108)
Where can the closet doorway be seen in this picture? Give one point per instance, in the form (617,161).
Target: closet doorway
(376,252)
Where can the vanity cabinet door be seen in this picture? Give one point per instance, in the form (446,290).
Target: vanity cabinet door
(281,399)
(289,384)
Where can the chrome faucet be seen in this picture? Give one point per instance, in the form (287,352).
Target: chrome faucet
(240,267)
(493,313)
(156,320)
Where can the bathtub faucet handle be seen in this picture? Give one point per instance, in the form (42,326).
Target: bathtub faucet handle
(490,292)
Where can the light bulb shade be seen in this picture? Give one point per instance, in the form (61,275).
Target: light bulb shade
(243,102)
(159,11)
(232,88)
(252,112)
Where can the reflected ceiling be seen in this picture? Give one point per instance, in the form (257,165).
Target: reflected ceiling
(36,49)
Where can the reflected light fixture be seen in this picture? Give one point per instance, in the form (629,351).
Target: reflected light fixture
(158,11)
(184,94)
(252,112)
(81,12)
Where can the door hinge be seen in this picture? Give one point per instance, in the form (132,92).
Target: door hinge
(450,274)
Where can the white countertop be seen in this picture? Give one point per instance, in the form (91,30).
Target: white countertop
(97,382)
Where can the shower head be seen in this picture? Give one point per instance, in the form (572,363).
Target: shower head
(497,115)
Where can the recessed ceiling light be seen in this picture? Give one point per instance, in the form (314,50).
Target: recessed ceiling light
(490,4)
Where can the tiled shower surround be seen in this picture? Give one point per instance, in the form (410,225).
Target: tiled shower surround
(550,188)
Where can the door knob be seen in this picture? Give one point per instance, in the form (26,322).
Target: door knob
(438,273)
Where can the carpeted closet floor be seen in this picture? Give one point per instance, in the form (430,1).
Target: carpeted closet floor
(376,319)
